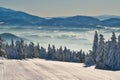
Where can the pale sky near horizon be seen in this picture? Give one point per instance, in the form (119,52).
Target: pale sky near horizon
(50,8)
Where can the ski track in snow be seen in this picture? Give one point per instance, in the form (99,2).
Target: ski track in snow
(39,69)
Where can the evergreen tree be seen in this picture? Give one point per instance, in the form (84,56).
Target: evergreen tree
(101,53)
(31,50)
(49,53)
(112,52)
(36,51)
(53,52)
(17,50)
(95,46)
(83,57)
(43,53)
(108,54)
(65,54)
(22,51)
(68,55)
(2,51)
(89,59)
(93,54)
(117,56)
(80,56)
(61,53)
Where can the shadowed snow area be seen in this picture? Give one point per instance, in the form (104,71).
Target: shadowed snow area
(38,69)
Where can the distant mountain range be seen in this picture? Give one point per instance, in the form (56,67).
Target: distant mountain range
(12,17)
(105,17)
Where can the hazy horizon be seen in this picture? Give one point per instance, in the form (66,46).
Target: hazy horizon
(58,8)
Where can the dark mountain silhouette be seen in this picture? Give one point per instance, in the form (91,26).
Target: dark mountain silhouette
(105,17)
(111,22)
(77,21)
(12,17)
(9,36)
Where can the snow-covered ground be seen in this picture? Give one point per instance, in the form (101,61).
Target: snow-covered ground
(38,69)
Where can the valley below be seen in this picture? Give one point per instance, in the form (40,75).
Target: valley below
(72,38)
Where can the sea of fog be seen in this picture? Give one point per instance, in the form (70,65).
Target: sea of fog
(72,38)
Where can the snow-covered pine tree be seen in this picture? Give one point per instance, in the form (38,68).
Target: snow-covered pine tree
(30,50)
(117,55)
(10,50)
(68,55)
(12,43)
(60,53)
(26,50)
(17,50)
(101,52)
(53,52)
(65,54)
(111,61)
(95,46)
(91,58)
(36,51)
(43,53)
(109,54)
(75,58)
(72,56)
(49,53)
(22,50)
(2,51)
(80,56)
(83,57)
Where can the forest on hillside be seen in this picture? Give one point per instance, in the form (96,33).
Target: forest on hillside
(104,54)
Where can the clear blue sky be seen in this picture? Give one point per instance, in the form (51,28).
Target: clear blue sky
(49,8)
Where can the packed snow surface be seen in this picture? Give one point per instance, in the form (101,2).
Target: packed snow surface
(39,69)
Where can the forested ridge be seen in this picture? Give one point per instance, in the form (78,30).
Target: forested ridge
(104,54)
(21,50)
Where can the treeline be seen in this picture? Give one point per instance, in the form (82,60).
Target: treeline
(105,54)
(20,50)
